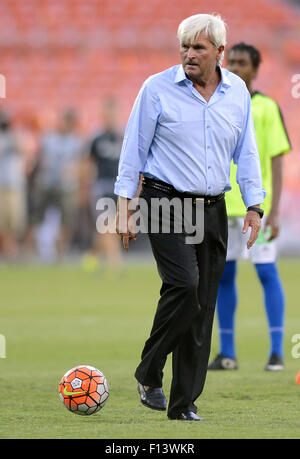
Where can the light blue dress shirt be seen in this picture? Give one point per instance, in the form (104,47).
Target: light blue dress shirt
(175,135)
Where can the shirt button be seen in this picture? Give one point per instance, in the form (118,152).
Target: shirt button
(209,167)
(208,148)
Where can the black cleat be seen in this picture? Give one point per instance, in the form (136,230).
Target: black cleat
(223,363)
(153,398)
(186,416)
(275,363)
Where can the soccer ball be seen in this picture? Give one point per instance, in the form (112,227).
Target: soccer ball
(83,390)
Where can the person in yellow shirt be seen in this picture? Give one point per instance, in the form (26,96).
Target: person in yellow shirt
(273,143)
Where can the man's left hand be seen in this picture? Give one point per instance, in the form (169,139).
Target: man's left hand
(252,220)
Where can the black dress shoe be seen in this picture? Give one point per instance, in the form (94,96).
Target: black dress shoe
(186,416)
(153,398)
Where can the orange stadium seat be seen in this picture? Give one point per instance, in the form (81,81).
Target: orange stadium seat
(59,52)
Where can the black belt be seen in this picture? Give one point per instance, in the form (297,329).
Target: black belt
(170,190)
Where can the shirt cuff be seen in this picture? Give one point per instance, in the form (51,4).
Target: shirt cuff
(125,189)
(253,198)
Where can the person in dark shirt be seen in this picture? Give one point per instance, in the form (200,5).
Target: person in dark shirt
(103,160)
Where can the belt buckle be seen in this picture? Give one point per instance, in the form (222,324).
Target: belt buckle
(198,199)
(206,203)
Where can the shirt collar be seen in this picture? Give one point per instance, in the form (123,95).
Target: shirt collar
(225,82)
(180,75)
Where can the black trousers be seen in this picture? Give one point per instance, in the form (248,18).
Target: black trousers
(190,275)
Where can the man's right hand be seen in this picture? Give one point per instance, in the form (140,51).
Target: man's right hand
(253,221)
(123,223)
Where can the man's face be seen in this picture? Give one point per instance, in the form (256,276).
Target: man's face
(200,56)
(66,123)
(239,62)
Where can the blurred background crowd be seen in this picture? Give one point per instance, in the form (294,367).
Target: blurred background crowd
(72,70)
(50,182)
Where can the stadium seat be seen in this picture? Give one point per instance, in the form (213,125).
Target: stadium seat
(54,52)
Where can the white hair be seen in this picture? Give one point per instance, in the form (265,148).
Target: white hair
(213,25)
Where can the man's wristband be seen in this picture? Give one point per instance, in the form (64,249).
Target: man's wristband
(256,209)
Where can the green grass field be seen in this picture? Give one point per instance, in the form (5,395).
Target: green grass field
(55,318)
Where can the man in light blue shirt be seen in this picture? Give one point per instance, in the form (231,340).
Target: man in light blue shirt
(175,135)
(186,125)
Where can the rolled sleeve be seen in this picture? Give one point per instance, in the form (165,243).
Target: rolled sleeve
(138,137)
(248,163)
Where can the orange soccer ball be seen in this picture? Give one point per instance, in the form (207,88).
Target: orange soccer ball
(83,390)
